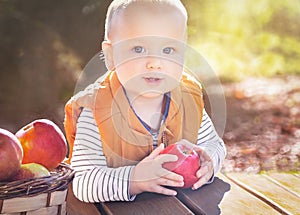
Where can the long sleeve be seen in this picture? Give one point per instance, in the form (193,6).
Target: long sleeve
(94,181)
(210,141)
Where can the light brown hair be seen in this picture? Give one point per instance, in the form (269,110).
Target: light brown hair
(118,5)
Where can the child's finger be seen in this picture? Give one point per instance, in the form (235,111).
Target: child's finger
(204,174)
(201,181)
(166,174)
(163,190)
(170,183)
(167,158)
(156,151)
(205,168)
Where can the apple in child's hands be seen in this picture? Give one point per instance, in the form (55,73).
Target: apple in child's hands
(187,165)
(31,170)
(43,142)
(11,155)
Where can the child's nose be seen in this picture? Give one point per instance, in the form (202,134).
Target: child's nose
(153,63)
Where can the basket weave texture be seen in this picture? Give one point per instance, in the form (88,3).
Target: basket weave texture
(45,195)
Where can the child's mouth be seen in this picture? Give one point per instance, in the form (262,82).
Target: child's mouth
(152,80)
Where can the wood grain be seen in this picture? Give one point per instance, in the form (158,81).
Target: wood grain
(223,197)
(76,207)
(268,191)
(147,204)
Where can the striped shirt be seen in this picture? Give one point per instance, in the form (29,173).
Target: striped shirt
(95,182)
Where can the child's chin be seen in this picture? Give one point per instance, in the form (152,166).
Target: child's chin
(152,94)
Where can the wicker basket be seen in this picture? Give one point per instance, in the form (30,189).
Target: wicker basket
(39,196)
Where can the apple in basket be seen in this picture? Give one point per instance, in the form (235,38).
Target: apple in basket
(187,165)
(43,142)
(11,154)
(31,170)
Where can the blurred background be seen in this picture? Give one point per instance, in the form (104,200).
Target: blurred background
(252,45)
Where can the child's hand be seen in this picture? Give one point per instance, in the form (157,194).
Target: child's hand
(206,170)
(149,175)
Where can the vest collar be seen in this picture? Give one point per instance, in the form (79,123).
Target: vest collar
(121,102)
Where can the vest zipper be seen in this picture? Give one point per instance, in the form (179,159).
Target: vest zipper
(164,138)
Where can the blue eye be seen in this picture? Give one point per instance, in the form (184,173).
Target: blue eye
(168,50)
(138,49)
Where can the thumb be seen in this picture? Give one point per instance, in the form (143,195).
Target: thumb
(156,151)
(167,158)
(202,154)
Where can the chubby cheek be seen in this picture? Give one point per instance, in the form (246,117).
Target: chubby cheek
(174,71)
(127,71)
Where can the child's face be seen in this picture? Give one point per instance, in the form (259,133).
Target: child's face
(147,48)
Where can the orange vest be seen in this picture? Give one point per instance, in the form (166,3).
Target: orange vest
(125,140)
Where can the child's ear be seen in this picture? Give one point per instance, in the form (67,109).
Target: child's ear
(108,55)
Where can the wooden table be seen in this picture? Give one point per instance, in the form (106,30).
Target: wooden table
(232,193)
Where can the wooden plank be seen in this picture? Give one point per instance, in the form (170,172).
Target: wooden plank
(205,200)
(147,204)
(76,207)
(290,182)
(223,197)
(267,191)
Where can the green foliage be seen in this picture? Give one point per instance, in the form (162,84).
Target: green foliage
(247,37)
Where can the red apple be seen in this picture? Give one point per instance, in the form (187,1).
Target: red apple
(11,155)
(43,143)
(187,165)
(31,170)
